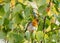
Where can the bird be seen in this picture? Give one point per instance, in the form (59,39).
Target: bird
(32,25)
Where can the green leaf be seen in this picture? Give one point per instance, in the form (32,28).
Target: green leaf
(2,12)
(31,0)
(6,29)
(58,17)
(6,21)
(18,17)
(27,34)
(53,25)
(15,37)
(2,35)
(1,21)
(18,8)
(7,1)
(7,7)
(33,35)
(39,35)
(23,6)
(40,2)
(47,23)
(42,9)
(58,0)
(40,26)
(28,11)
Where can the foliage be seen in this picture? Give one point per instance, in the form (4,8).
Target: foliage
(15,14)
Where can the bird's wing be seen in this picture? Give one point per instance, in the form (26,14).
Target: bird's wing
(27,26)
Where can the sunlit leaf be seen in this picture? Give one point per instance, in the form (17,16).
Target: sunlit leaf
(18,18)
(21,1)
(7,1)
(42,8)
(54,10)
(48,29)
(58,18)
(6,21)
(40,2)
(46,36)
(7,7)
(39,35)
(16,38)
(1,21)
(1,1)
(3,35)
(18,8)
(27,35)
(2,12)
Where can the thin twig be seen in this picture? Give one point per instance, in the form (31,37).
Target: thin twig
(44,23)
(53,30)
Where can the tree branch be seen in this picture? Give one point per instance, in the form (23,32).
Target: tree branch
(53,30)
(44,23)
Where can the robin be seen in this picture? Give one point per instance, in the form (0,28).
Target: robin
(32,26)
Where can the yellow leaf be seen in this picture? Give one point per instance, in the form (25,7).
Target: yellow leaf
(48,29)
(0,16)
(46,36)
(25,3)
(12,3)
(49,13)
(54,11)
(21,1)
(21,26)
(52,20)
(47,1)
(1,1)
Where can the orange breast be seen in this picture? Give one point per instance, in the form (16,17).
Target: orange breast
(34,23)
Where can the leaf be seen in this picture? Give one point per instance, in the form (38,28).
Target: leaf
(7,7)
(6,21)
(6,29)
(12,2)
(42,8)
(48,29)
(34,34)
(17,9)
(15,38)
(47,1)
(2,35)
(18,18)
(40,26)
(1,1)
(0,17)
(1,21)
(2,12)
(25,2)
(28,11)
(58,0)
(53,25)
(47,23)
(39,35)
(58,18)
(22,4)
(46,36)
(40,2)
(49,13)
(55,10)
(21,1)
(7,1)
(27,34)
